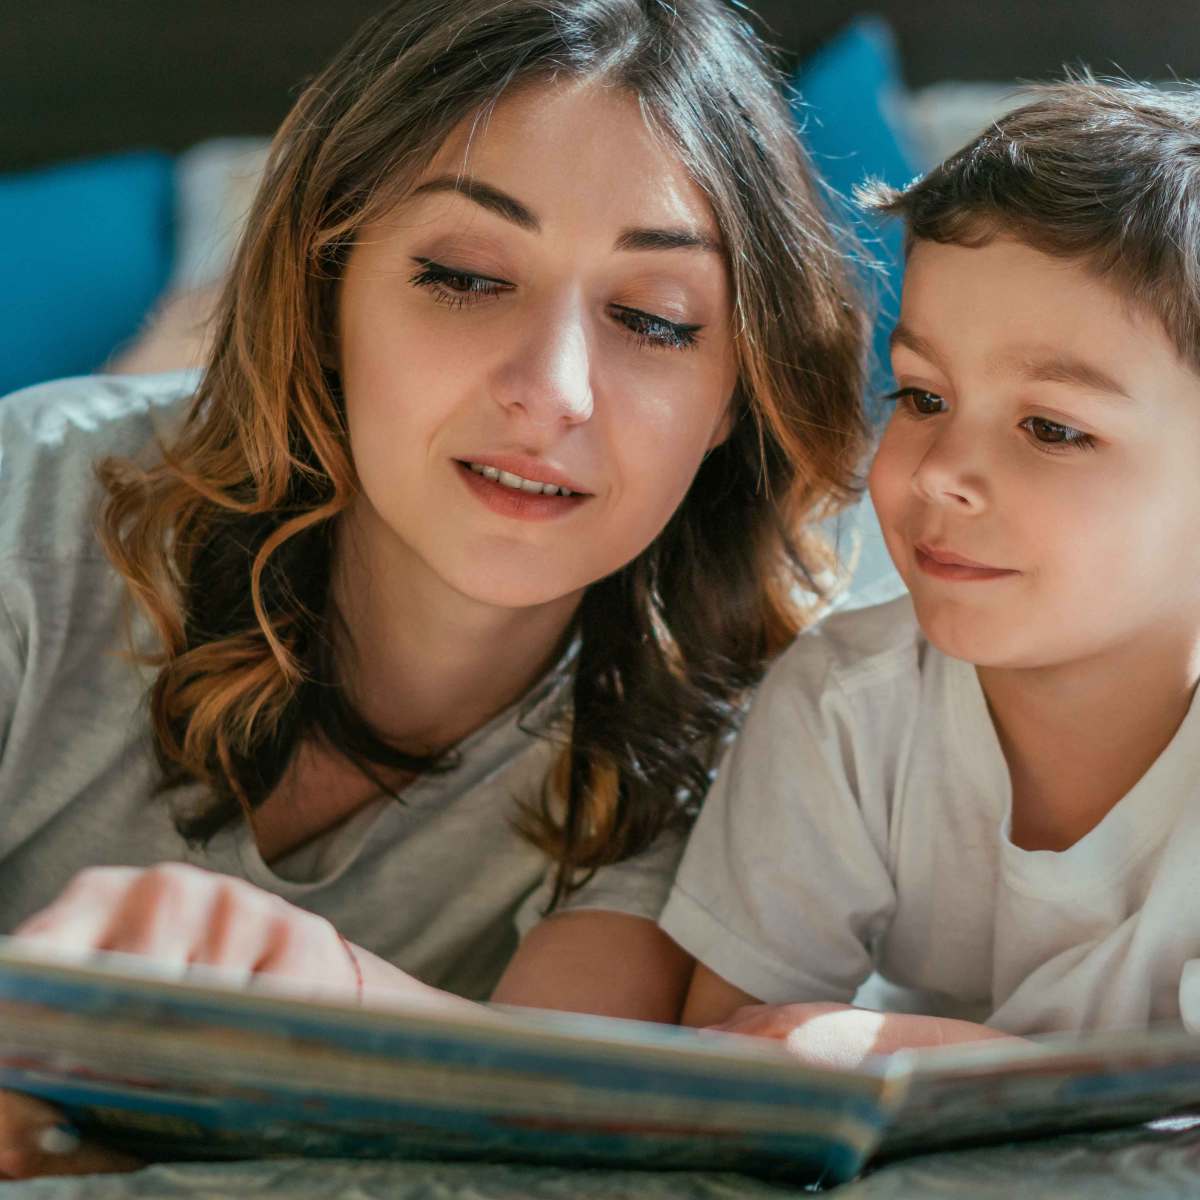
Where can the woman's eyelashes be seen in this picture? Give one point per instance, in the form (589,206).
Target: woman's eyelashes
(456,288)
(1051,436)
(651,330)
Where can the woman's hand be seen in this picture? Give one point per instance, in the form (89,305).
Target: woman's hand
(35,1141)
(179,915)
(840,1035)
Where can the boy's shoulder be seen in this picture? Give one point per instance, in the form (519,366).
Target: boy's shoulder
(871,656)
(51,438)
(877,642)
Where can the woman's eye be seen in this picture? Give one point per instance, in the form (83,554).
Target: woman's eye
(656,331)
(454,287)
(919,401)
(1051,433)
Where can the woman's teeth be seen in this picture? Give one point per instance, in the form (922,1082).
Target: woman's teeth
(509,480)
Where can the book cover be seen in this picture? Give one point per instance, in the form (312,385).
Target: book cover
(199,1066)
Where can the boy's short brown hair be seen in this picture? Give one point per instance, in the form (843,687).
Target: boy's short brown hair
(1104,172)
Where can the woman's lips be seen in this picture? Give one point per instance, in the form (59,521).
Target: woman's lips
(525,467)
(516,502)
(946,564)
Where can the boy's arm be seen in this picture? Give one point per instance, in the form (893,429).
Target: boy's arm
(823,1034)
(842,1036)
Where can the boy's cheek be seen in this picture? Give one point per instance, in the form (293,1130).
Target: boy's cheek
(886,485)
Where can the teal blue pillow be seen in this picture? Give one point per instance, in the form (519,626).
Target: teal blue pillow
(849,103)
(87,250)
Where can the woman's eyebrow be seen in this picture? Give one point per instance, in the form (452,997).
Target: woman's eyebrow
(667,239)
(511,209)
(491,198)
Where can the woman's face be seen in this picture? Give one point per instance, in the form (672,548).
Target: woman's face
(549,310)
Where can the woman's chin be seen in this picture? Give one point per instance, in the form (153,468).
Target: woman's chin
(504,589)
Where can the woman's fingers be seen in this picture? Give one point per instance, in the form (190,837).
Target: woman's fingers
(178,914)
(35,1140)
(81,916)
(173,912)
(313,953)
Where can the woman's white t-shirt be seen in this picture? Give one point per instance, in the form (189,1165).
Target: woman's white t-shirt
(438,881)
(858,834)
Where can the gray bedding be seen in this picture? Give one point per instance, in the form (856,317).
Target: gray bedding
(1159,1160)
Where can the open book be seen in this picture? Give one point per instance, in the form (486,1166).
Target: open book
(166,1067)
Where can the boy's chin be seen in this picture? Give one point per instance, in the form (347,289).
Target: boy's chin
(972,635)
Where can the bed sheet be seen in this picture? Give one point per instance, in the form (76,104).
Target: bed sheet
(1160,1160)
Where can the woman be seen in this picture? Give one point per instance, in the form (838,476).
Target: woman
(536,364)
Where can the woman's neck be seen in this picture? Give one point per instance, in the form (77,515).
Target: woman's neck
(426,665)
(1078,736)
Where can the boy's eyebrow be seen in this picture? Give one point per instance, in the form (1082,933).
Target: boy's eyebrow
(511,209)
(1053,367)
(911,340)
(1066,368)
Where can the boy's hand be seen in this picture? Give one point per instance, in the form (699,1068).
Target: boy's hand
(842,1036)
(35,1141)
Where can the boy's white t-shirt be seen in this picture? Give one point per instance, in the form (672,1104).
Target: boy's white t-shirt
(858,834)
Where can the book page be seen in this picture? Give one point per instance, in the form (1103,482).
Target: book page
(1003,1089)
(165,1067)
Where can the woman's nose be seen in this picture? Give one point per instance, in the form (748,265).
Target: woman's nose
(548,377)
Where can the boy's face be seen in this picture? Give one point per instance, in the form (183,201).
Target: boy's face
(1038,484)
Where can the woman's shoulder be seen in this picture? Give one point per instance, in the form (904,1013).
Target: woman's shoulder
(52,436)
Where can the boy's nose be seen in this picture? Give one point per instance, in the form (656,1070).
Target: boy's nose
(950,474)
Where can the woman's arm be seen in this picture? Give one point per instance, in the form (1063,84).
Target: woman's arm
(181,915)
(585,961)
(598,962)
(711,999)
(34,1140)
(582,961)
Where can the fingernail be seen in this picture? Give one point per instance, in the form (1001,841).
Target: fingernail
(62,1138)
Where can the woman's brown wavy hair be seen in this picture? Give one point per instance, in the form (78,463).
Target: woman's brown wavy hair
(226,545)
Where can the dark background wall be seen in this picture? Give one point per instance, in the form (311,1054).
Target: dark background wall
(87,76)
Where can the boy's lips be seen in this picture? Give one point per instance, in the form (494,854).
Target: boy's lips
(948,564)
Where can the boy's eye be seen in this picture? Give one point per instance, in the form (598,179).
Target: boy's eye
(1051,433)
(919,401)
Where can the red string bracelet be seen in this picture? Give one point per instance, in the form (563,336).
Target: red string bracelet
(358,975)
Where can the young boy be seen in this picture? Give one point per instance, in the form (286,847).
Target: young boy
(984,797)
